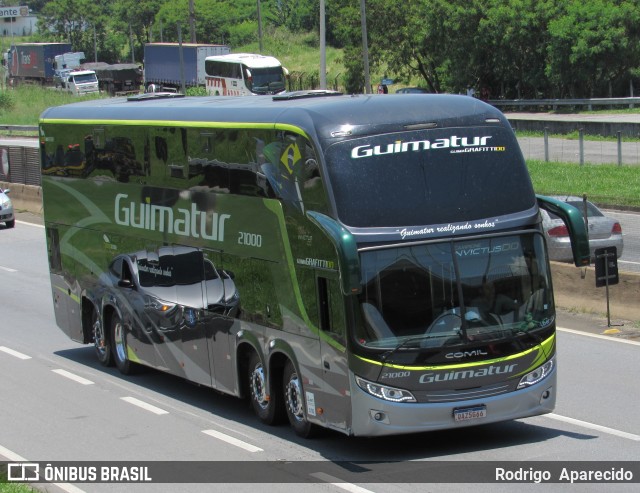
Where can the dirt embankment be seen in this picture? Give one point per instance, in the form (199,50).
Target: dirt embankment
(575,290)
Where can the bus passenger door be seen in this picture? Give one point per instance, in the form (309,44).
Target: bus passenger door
(220,301)
(62,287)
(336,400)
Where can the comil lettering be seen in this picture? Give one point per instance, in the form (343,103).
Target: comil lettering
(184,222)
(418,145)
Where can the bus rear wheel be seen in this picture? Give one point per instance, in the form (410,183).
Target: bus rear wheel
(120,350)
(101,341)
(294,402)
(268,407)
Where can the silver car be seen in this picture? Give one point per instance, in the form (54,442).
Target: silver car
(604,231)
(6,209)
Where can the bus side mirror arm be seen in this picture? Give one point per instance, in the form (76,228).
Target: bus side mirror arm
(345,245)
(574,221)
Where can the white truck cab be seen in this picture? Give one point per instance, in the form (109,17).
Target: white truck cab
(80,82)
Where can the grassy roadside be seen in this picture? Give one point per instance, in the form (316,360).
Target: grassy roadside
(24,104)
(6,487)
(603,184)
(15,488)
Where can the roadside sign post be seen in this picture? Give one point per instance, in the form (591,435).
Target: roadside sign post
(606,272)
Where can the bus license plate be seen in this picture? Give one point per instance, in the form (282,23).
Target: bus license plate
(468,413)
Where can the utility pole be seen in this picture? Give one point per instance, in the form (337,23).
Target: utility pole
(323,49)
(259,28)
(365,48)
(131,42)
(192,21)
(181,57)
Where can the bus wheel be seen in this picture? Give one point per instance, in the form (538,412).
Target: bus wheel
(120,356)
(294,402)
(101,341)
(268,408)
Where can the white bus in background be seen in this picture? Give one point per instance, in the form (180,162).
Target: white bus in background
(244,74)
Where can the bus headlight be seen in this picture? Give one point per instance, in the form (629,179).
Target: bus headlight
(536,375)
(383,392)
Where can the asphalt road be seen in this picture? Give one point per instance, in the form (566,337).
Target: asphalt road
(59,404)
(630,222)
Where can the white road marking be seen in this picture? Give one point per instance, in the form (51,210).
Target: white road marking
(628,262)
(13,457)
(338,484)
(30,224)
(599,336)
(232,441)
(144,405)
(593,426)
(8,269)
(71,376)
(14,353)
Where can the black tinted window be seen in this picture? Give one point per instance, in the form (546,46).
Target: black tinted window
(592,210)
(429,177)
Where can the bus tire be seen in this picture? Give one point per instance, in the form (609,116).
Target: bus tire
(268,408)
(294,402)
(101,341)
(119,347)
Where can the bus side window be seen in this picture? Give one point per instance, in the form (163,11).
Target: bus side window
(331,307)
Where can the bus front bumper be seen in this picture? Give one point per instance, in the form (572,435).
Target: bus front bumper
(372,416)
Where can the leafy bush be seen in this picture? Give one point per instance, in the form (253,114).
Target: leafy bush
(7,100)
(196,91)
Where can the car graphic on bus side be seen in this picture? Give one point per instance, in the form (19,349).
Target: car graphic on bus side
(161,295)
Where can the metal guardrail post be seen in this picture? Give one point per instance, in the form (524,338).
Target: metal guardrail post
(619,147)
(581,142)
(546,144)
(554,103)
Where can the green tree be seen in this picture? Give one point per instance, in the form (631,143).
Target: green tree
(134,18)
(593,44)
(413,38)
(510,47)
(217,21)
(68,19)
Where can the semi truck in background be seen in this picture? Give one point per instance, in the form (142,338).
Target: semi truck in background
(167,64)
(70,77)
(117,79)
(65,63)
(33,62)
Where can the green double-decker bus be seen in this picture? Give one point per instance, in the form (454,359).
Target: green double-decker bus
(373,264)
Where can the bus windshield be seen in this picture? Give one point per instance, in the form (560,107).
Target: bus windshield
(265,80)
(454,293)
(442,174)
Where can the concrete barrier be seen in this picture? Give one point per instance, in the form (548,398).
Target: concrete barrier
(24,197)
